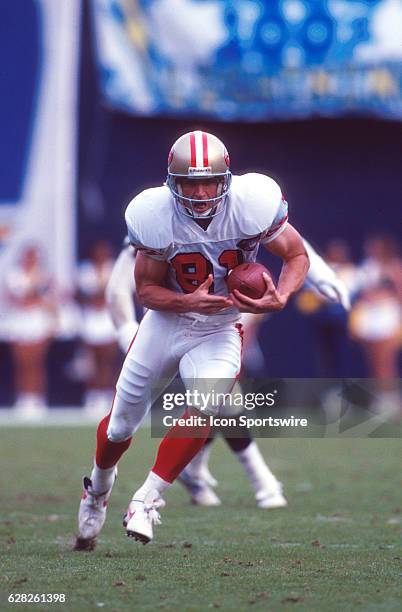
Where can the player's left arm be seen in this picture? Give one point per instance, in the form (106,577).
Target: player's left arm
(290,248)
(324,281)
(288,245)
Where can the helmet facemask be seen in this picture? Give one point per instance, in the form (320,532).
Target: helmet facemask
(187,205)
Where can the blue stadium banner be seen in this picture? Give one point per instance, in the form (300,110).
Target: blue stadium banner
(39,69)
(251,60)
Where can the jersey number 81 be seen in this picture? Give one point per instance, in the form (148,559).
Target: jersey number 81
(192,269)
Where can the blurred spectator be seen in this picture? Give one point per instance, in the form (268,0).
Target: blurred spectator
(337,255)
(97,332)
(376,320)
(329,320)
(31,325)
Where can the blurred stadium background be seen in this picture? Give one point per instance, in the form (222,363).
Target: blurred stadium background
(95,92)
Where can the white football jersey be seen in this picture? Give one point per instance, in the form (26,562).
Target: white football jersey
(255,211)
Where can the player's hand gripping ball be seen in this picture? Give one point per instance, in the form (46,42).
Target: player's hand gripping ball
(248,279)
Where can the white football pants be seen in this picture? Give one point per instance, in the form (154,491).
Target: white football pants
(206,351)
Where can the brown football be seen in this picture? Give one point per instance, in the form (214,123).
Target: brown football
(248,279)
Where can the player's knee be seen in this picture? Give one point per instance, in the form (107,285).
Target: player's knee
(213,405)
(210,409)
(209,399)
(119,432)
(129,410)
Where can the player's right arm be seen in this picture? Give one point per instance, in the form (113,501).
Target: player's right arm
(119,295)
(150,279)
(120,289)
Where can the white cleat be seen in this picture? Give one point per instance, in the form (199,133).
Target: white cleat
(198,468)
(206,497)
(91,515)
(141,516)
(271,499)
(200,492)
(207,477)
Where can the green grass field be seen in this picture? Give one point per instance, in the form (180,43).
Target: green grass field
(337,546)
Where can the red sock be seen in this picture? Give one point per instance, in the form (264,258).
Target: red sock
(108,453)
(177,449)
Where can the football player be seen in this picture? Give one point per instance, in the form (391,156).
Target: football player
(196,477)
(189,233)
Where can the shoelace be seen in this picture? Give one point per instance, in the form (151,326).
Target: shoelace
(96,501)
(151,508)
